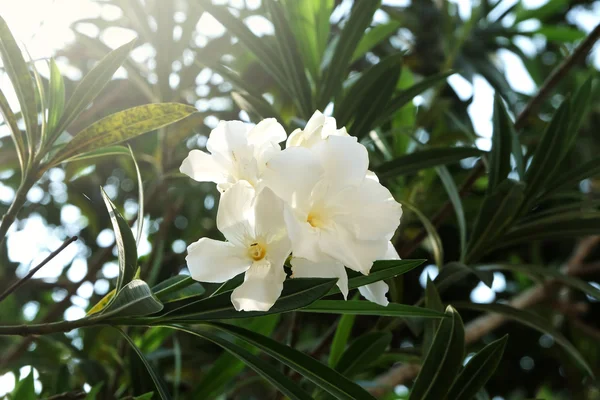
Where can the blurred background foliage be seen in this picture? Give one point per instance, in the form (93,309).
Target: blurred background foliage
(227,59)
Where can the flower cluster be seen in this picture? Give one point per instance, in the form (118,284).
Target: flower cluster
(315,200)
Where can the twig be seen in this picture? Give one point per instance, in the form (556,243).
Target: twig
(68,396)
(485,324)
(22,281)
(557,75)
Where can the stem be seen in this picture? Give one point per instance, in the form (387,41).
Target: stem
(22,281)
(44,329)
(15,207)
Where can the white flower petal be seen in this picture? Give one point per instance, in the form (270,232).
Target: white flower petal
(296,138)
(235,210)
(355,254)
(262,287)
(344,160)
(201,167)
(228,136)
(391,253)
(369,211)
(266,131)
(303,268)
(372,175)
(268,209)
(292,174)
(375,292)
(214,261)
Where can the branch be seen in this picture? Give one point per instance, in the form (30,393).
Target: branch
(557,75)
(23,280)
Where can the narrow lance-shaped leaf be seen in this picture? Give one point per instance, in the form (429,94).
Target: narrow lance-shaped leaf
(126,247)
(23,83)
(16,134)
(443,360)
(379,271)
(454,196)
(313,370)
(433,302)
(134,300)
(362,352)
(140,216)
(56,97)
(419,160)
(161,387)
(293,67)
(534,321)
(340,338)
(478,371)
(373,37)
(91,85)
(261,367)
(122,126)
(339,54)
(434,237)
(495,216)
(361,307)
(499,161)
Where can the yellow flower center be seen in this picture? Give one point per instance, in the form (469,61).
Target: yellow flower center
(256,251)
(314,220)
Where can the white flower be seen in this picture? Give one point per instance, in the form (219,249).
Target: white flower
(330,268)
(238,151)
(257,244)
(332,208)
(318,128)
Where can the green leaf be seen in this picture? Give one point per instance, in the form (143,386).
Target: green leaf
(576,174)
(362,352)
(547,272)
(290,57)
(339,53)
(340,339)
(549,153)
(122,126)
(56,98)
(496,214)
(579,106)
(25,389)
(91,85)
(134,300)
(126,247)
(363,307)
(15,132)
(227,367)
(423,159)
(296,293)
(257,107)
(265,55)
(406,95)
(546,10)
(145,396)
(23,83)
(434,237)
(502,143)
(103,152)
(373,37)
(454,196)
(367,97)
(140,216)
(313,370)
(556,33)
(533,321)
(284,384)
(561,226)
(381,270)
(432,302)
(167,288)
(443,360)
(478,371)
(161,388)
(309,20)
